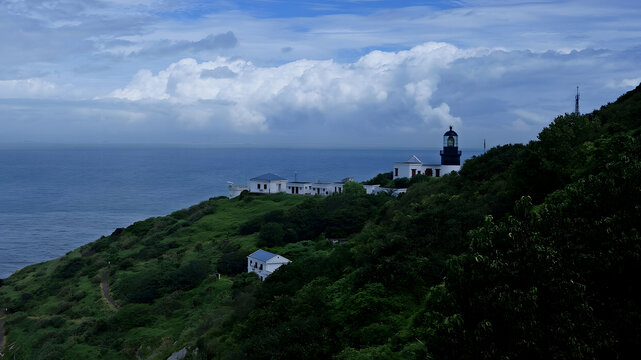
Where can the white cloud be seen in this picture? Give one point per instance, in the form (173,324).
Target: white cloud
(26,88)
(256,96)
(627,83)
(520,125)
(274,84)
(531,116)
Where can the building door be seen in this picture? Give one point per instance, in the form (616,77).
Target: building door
(413,172)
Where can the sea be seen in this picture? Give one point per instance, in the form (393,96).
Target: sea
(54,199)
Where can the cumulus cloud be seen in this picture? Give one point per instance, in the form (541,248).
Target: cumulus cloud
(312,90)
(221,72)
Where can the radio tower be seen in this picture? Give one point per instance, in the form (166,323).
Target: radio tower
(576,102)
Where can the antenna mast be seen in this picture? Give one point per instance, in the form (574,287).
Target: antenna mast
(576,103)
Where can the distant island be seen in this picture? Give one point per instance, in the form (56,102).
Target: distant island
(529,251)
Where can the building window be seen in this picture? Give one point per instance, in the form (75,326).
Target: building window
(413,172)
(438,172)
(395,171)
(261,267)
(265,186)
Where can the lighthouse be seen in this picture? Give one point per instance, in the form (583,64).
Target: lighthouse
(450,155)
(450,161)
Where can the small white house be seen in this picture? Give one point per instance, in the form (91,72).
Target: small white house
(264,263)
(267,184)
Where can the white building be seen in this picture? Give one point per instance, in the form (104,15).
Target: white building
(267,184)
(271,183)
(299,187)
(414,166)
(450,161)
(375,189)
(264,263)
(322,188)
(235,190)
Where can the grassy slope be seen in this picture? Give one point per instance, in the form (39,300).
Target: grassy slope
(57,304)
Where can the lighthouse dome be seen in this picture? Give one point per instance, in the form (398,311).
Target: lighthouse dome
(450,132)
(450,138)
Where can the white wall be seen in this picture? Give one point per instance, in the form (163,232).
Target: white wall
(446,169)
(235,190)
(303,188)
(371,189)
(267,187)
(322,189)
(274,263)
(405,170)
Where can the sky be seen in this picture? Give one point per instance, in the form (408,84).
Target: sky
(338,73)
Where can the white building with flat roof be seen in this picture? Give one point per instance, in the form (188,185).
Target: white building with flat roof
(299,187)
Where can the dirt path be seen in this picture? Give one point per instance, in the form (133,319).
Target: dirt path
(105,289)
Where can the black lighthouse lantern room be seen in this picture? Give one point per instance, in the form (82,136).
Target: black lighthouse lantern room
(450,155)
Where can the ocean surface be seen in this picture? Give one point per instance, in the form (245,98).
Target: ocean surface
(54,199)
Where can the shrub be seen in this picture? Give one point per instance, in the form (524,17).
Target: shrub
(142,287)
(271,234)
(383,179)
(250,226)
(133,315)
(232,263)
(71,268)
(140,228)
(401,183)
(192,273)
(126,264)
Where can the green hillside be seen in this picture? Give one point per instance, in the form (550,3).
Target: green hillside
(531,251)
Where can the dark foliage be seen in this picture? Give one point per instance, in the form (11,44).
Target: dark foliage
(529,252)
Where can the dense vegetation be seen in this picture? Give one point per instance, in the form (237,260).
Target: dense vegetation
(531,251)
